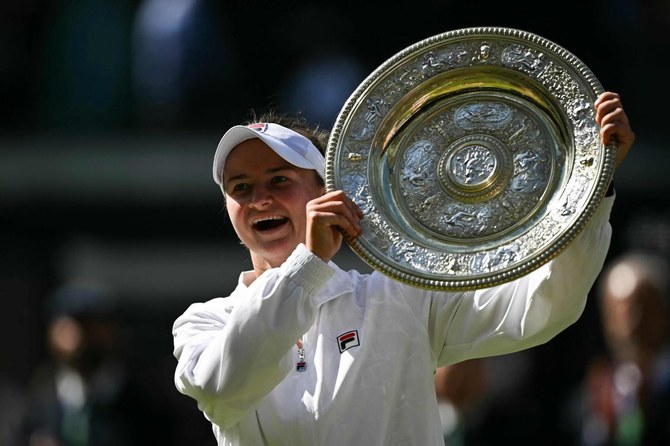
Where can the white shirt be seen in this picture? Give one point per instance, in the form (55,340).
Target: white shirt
(371,345)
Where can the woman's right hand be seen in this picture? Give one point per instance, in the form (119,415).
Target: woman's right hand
(328,217)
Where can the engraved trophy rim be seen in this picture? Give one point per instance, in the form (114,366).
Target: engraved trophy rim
(516,106)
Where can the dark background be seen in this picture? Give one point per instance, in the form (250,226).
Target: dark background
(110,111)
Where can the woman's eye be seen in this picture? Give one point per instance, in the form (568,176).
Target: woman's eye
(279,179)
(240,187)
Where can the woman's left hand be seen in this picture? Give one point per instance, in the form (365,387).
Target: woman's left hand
(613,122)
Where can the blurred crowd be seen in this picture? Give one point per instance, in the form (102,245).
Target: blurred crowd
(156,65)
(191,64)
(88,389)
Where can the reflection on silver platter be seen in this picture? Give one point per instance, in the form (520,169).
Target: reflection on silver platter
(474,155)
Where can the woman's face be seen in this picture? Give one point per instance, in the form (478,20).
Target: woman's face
(266,198)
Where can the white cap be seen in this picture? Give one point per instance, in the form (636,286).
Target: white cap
(292,146)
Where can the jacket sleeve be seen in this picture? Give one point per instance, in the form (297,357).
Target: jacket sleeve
(231,354)
(531,310)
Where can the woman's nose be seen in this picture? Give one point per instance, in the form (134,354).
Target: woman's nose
(260,198)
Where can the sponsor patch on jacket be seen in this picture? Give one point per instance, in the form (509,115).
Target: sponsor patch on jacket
(347,340)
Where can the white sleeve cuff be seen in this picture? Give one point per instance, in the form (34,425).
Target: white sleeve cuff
(307,270)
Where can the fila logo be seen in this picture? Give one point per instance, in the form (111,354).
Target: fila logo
(259,126)
(347,340)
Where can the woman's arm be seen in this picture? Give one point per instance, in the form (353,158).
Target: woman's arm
(230,355)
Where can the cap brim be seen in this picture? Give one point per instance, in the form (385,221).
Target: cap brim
(240,133)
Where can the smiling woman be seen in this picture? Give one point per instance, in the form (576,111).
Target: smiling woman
(266,198)
(268,172)
(302,343)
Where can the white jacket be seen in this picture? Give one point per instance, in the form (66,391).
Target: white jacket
(371,344)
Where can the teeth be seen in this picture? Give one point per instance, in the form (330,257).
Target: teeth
(266,223)
(260,220)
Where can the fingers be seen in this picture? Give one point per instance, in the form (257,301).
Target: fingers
(607,96)
(609,109)
(614,124)
(329,217)
(336,209)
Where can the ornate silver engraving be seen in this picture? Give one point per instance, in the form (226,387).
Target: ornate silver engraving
(474,156)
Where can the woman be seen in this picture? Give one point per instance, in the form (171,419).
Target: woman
(303,353)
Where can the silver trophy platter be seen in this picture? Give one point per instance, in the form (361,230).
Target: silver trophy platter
(474,155)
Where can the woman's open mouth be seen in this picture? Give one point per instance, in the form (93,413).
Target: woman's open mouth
(265,224)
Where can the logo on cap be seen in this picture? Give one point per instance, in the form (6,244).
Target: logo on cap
(260,127)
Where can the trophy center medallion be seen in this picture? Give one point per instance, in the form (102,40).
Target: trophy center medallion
(470,168)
